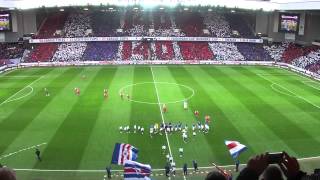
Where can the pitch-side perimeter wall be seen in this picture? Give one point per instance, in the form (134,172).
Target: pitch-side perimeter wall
(162,62)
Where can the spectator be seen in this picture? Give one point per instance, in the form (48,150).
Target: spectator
(108,169)
(7,174)
(272,173)
(185,169)
(195,165)
(258,164)
(167,169)
(215,175)
(237,165)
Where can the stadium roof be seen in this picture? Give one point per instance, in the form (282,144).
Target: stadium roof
(267,5)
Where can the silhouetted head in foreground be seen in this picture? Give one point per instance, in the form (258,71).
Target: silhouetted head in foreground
(7,174)
(215,175)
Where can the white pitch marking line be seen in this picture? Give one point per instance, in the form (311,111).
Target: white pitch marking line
(84,170)
(156,103)
(162,117)
(292,92)
(306,83)
(18,76)
(21,150)
(25,95)
(5,101)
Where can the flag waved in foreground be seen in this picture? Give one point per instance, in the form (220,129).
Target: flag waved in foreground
(136,171)
(123,152)
(235,148)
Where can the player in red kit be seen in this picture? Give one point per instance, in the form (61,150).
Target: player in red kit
(77,91)
(196,113)
(207,119)
(164,108)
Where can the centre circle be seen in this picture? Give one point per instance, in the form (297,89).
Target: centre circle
(146,84)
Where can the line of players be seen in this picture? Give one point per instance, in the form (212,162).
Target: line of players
(169,128)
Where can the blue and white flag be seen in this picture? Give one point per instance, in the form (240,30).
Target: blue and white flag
(136,171)
(235,148)
(123,152)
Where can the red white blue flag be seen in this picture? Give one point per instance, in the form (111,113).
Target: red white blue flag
(123,152)
(235,148)
(136,171)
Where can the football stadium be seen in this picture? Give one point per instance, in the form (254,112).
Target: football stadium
(160,89)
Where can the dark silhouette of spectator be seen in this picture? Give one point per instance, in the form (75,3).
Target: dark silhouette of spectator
(185,169)
(108,169)
(272,173)
(167,169)
(195,165)
(215,175)
(237,165)
(38,154)
(7,174)
(258,164)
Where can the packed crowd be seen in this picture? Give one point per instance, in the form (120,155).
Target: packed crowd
(217,24)
(100,51)
(69,52)
(76,25)
(309,59)
(226,51)
(276,50)
(254,52)
(294,51)
(42,52)
(11,50)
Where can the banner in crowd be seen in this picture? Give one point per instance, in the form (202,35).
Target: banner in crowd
(135,171)
(235,148)
(123,152)
(92,39)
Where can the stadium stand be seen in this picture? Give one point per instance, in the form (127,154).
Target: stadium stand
(226,52)
(100,51)
(252,51)
(11,50)
(217,24)
(44,52)
(76,25)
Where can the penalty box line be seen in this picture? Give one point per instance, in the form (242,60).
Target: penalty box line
(5,101)
(162,117)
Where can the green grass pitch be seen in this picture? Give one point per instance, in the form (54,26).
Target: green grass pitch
(267,109)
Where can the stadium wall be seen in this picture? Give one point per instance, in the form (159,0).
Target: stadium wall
(267,23)
(312,28)
(23,22)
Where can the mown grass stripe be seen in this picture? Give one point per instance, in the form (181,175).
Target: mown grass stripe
(299,103)
(9,86)
(70,140)
(145,115)
(283,127)
(16,122)
(202,102)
